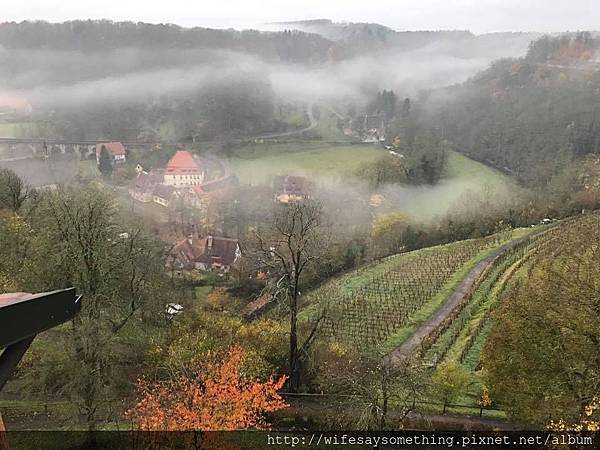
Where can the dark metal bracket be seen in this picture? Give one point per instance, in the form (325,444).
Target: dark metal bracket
(24,317)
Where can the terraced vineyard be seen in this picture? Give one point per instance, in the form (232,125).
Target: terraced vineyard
(374,303)
(463,334)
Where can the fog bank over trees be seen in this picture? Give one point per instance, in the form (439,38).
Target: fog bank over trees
(84,61)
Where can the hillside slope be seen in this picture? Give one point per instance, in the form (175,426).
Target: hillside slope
(530,116)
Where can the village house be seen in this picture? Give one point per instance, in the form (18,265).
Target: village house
(182,179)
(163,194)
(374,126)
(290,189)
(142,186)
(209,253)
(199,196)
(183,170)
(116,150)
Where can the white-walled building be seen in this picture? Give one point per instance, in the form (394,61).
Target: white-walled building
(183,170)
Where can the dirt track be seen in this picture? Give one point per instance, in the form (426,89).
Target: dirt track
(396,357)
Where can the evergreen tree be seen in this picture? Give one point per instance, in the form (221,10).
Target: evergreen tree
(105,163)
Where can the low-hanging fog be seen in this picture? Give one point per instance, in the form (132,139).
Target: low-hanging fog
(59,76)
(60,68)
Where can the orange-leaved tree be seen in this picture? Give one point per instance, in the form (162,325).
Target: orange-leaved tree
(217,397)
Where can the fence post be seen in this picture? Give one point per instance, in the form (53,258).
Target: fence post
(444,409)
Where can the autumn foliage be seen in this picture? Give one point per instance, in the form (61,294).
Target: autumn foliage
(216,397)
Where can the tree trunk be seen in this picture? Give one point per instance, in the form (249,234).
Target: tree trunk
(385,394)
(294,369)
(89,359)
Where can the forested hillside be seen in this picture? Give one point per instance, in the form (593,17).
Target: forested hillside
(105,35)
(369,37)
(530,116)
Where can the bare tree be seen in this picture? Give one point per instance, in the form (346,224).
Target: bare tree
(294,243)
(13,190)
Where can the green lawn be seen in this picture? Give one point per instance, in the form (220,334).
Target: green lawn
(463,177)
(88,169)
(257,164)
(461,167)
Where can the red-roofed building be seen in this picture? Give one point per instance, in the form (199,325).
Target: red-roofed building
(183,170)
(116,150)
(209,253)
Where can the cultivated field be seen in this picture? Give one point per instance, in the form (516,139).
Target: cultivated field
(382,303)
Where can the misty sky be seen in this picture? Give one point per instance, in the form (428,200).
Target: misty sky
(476,15)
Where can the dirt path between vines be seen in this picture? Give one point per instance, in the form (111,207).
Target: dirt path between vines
(410,345)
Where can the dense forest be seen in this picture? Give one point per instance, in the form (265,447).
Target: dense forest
(104,35)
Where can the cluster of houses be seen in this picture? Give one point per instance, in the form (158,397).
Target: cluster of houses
(369,128)
(219,253)
(183,178)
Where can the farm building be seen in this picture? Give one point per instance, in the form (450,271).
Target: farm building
(290,189)
(209,253)
(183,170)
(116,150)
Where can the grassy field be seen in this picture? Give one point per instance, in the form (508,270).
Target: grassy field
(459,166)
(463,176)
(257,164)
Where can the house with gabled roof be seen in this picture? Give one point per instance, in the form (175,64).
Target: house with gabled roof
(163,194)
(374,126)
(183,170)
(208,253)
(142,186)
(116,151)
(291,188)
